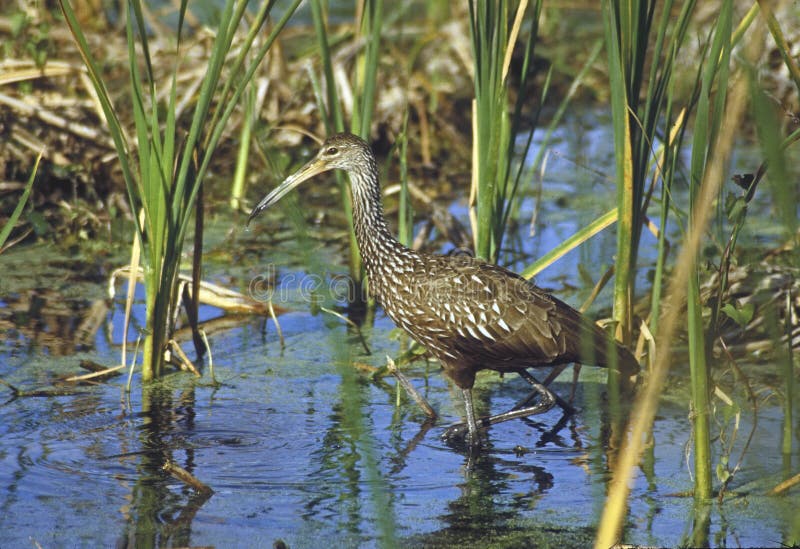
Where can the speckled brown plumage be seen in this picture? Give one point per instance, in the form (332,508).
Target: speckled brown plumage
(470,314)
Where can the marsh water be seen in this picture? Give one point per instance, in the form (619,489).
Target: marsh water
(304,444)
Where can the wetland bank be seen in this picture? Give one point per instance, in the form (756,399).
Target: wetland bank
(295,423)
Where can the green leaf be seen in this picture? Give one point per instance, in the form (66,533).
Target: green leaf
(741,316)
(722,470)
(735,206)
(596,226)
(18,21)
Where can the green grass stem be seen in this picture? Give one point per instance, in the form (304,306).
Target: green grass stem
(646,405)
(240,175)
(18,209)
(364,82)
(405,218)
(630,32)
(782,189)
(710,113)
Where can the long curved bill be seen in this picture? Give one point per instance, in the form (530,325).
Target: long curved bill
(312,168)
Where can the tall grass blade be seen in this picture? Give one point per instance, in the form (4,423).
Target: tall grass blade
(569,244)
(507,203)
(619,36)
(115,127)
(780,40)
(405,218)
(367,67)
(14,217)
(333,118)
(240,175)
(629,31)
(646,404)
(784,198)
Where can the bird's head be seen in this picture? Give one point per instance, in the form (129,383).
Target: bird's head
(342,151)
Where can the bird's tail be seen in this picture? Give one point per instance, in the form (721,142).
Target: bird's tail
(596,347)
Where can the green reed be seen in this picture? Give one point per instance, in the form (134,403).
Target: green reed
(165,169)
(405,217)
(641,101)
(785,198)
(638,125)
(708,121)
(366,73)
(640,82)
(495,125)
(240,174)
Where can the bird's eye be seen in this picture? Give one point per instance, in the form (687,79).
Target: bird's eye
(331,151)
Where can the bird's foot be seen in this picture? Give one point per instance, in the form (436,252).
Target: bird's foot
(459,438)
(467,431)
(455,433)
(460,432)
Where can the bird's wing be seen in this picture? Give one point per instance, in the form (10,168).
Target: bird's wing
(480,306)
(490,315)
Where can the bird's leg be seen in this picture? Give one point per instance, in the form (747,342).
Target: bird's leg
(548,400)
(545,393)
(457,430)
(472,425)
(576,372)
(554,373)
(468,430)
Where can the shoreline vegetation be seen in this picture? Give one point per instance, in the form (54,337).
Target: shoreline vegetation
(149,122)
(48,105)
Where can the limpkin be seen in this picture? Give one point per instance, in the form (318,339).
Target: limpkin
(471,315)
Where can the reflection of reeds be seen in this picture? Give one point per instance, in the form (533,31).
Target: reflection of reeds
(164,175)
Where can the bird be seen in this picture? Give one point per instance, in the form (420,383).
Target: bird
(470,314)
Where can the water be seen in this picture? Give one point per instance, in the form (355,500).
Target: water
(300,446)
(303,445)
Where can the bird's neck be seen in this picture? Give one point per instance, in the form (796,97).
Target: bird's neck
(381,252)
